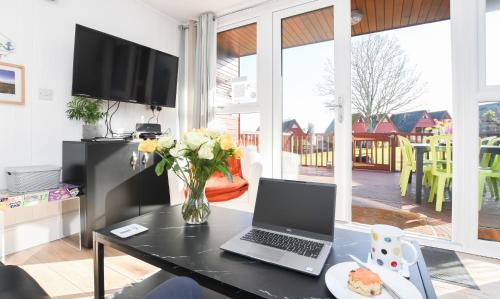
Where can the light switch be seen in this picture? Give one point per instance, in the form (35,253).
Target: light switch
(45,94)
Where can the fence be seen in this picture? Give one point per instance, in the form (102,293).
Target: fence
(373,151)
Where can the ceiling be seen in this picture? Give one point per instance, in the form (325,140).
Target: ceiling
(317,26)
(184,10)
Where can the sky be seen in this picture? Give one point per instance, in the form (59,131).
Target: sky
(7,76)
(428,48)
(493,47)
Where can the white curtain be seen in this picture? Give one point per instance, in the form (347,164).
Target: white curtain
(182,96)
(205,65)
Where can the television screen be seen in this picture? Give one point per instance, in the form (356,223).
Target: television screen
(110,68)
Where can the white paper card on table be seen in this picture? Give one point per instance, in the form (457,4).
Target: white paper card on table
(129,230)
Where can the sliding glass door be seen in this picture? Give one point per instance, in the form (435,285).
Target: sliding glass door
(306,109)
(484,211)
(310,120)
(402,99)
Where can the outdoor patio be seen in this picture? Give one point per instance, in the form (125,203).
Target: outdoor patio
(376,199)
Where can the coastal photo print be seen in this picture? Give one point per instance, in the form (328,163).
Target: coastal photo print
(11,84)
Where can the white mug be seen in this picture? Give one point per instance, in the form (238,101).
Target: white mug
(386,249)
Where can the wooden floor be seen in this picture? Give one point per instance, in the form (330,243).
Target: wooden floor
(65,272)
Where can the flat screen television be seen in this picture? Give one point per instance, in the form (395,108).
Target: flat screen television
(110,68)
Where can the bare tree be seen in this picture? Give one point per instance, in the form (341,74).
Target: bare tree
(382,79)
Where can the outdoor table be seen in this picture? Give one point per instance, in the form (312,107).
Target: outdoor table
(422,148)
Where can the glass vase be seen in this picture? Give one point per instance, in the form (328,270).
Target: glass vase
(196,208)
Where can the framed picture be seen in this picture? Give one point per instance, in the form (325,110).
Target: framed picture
(11,84)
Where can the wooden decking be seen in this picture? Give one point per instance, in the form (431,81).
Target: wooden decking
(376,199)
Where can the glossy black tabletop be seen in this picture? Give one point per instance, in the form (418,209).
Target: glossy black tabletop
(193,250)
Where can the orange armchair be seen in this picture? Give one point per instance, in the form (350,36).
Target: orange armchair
(219,188)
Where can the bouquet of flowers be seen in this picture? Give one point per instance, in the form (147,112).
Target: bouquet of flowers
(194,159)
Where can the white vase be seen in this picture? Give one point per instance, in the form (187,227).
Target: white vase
(90,131)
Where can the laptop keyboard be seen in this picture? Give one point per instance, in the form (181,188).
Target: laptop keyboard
(296,245)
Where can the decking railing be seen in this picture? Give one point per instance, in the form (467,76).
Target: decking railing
(374,151)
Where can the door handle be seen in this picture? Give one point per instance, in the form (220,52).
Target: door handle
(145,159)
(133,160)
(339,107)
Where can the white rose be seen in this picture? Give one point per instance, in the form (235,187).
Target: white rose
(193,140)
(213,133)
(178,150)
(206,151)
(166,142)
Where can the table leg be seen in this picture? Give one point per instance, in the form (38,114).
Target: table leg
(98,269)
(2,237)
(419,153)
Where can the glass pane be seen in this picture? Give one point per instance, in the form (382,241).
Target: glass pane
(401,90)
(243,127)
(237,65)
(492,42)
(489,171)
(308,125)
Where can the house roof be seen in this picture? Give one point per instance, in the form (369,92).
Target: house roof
(330,130)
(405,122)
(288,125)
(439,115)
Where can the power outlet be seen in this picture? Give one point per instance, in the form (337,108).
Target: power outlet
(45,94)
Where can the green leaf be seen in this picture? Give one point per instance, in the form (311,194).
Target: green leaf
(160,167)
(87,110)
(224,171)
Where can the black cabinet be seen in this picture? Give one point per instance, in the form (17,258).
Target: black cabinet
(118,182)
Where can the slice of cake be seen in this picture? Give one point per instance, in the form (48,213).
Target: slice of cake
(365,282)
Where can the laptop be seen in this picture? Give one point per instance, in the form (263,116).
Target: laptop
(292,225)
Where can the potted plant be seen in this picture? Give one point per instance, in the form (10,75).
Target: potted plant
(88,111)
(194,159)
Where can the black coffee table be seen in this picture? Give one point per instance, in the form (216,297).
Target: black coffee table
(194,251)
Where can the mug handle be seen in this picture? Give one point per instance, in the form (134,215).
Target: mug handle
(414,251)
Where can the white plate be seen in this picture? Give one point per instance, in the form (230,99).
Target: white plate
(337,276)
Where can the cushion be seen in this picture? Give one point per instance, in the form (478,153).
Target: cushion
(16,283)
(234,168)
(221,189)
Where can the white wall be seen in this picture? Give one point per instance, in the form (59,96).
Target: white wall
(43,33)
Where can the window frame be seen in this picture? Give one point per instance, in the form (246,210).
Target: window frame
(249,107)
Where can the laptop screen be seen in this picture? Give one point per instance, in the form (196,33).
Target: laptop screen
(296,207)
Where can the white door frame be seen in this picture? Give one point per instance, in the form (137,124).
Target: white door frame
(476,91)
(467,37)
(342,65)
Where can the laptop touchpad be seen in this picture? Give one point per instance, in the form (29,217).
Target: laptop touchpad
(266,254)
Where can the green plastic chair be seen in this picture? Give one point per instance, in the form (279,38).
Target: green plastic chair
(441,175)
(489,174)
(428,178)
(485,163)
(409,165)
(486,158)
